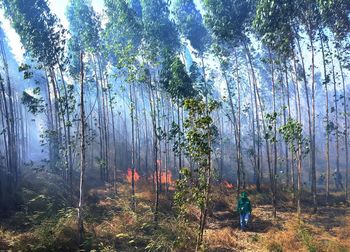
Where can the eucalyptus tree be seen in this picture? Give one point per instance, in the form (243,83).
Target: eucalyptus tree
(292,133)
(328,128)
(84,26)
(176,81)
(310,18)
(274,23)
(200,134)
(189,21)
(10,163)
(228,21)
(82,153)
(340,27)
(160,32)
(159,37)
(43,38)
(7,110)
(125,30)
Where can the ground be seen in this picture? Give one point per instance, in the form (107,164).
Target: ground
(327,230)
(111,224)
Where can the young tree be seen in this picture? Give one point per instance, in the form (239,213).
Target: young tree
(200,134)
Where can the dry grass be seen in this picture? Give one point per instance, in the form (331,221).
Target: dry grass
(223,238)
(112,223)
(329,231)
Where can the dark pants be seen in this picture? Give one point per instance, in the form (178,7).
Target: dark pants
(244,219)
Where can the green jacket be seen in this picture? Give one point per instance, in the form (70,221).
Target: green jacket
(244,206)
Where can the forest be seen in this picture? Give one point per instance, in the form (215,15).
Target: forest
(144,125)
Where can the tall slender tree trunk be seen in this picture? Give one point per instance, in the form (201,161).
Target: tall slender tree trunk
(274,173)
(286,154)
(291,174)
(258,101)
(254,153)
(146,132)
(155,149)
(13,168)
(313,149)
(82,153)
(208,170)
(114,139)
(299,152)
(326,81)
(68,142)
(335,94)
(240,158)
(308,111)
(234,122)
(132,108)
(100,125)
(346,143)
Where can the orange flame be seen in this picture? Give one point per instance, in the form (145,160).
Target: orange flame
(129,175)
(164,177)
(227,184)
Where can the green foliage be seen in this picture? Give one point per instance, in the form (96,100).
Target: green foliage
(25,68)
(199,84)
(271,119)
(275,247)
(127,62)
(52,233)
(159,32)
(200,133)
(124,26)
(183,195)
(292,133)
(39,30)
(329,9)
(190,23)
(35,103)
(274,23)
(175,80)
(228,19)
(305,235)
(84,27)
(172,235)
(309,16)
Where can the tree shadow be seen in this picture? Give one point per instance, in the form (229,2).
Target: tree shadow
(230,219)
(329,218)
(259,225)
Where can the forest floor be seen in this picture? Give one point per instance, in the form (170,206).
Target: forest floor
(44,223)
(327,230)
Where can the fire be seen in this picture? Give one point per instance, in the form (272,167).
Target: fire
(227,184)
(129,175)
(164,177)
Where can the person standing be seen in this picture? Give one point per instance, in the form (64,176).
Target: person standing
(244,209)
